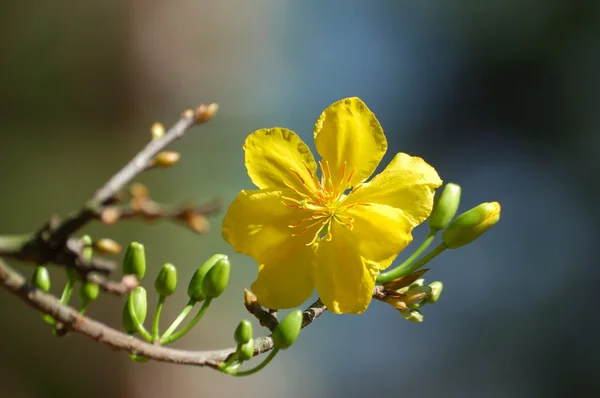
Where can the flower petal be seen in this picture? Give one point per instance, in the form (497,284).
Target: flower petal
(276,155)
(288,282)
(257,224)
(347,131)
(344,280)
(407,183)
(379,231)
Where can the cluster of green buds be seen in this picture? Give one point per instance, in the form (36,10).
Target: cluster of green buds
(284,335)
(208,282)
(407,294)
(88,291)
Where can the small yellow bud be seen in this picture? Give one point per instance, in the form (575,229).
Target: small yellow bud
(167,158)
(204,113)
(107,246)
(471,225)
(157,130)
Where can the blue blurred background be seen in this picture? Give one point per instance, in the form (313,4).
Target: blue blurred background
(500,96)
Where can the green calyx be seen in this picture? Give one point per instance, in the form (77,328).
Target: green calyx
(287,331)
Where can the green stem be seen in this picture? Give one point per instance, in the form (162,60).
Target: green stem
(83,307)
(67,291)
(136,322)
(258,367)
(181,332)
(427,258)
(156,321)
(184,313)
(399,270)
(223,366)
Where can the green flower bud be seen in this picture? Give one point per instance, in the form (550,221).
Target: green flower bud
(436,291)
(41,279)
(88,292)
(87,251)
(288,330)
(418,282)
(139,305)
(134,262)
(445,206)
(471,225)
(216,279)
(412,315)
(246,350)
(195,286)
(166,281)
(243,332)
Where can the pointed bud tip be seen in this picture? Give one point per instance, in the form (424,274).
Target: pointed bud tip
(203,113)
(471,224)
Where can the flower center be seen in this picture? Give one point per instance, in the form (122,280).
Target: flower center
(325,202)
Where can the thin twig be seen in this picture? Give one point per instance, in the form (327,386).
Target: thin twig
(72,320)
(138,164)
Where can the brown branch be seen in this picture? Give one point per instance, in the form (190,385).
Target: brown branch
(107,193)
(51,244)
(73,321)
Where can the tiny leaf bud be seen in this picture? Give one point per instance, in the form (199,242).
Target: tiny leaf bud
(436,291)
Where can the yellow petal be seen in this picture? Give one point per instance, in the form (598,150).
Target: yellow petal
(343,280)
(257,224)
(286,283)
(276,155)
(348,131)
(407,183)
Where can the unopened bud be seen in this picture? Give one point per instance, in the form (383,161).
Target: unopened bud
(195,286)
(167,158)
(107,246)
(471,225)
(88,292)
(157,130)
(445,206)
(436,291)
(204,113)
(134,262)
(136,302)
(41,279)
(216,279)
(246,351)
(287,331)
(87,251)
(166,281)
(243,332)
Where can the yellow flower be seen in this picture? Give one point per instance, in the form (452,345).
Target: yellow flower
(334,232)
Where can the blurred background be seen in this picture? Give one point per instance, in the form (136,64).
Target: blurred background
(500,96)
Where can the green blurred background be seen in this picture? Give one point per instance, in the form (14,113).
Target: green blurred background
(500,96)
